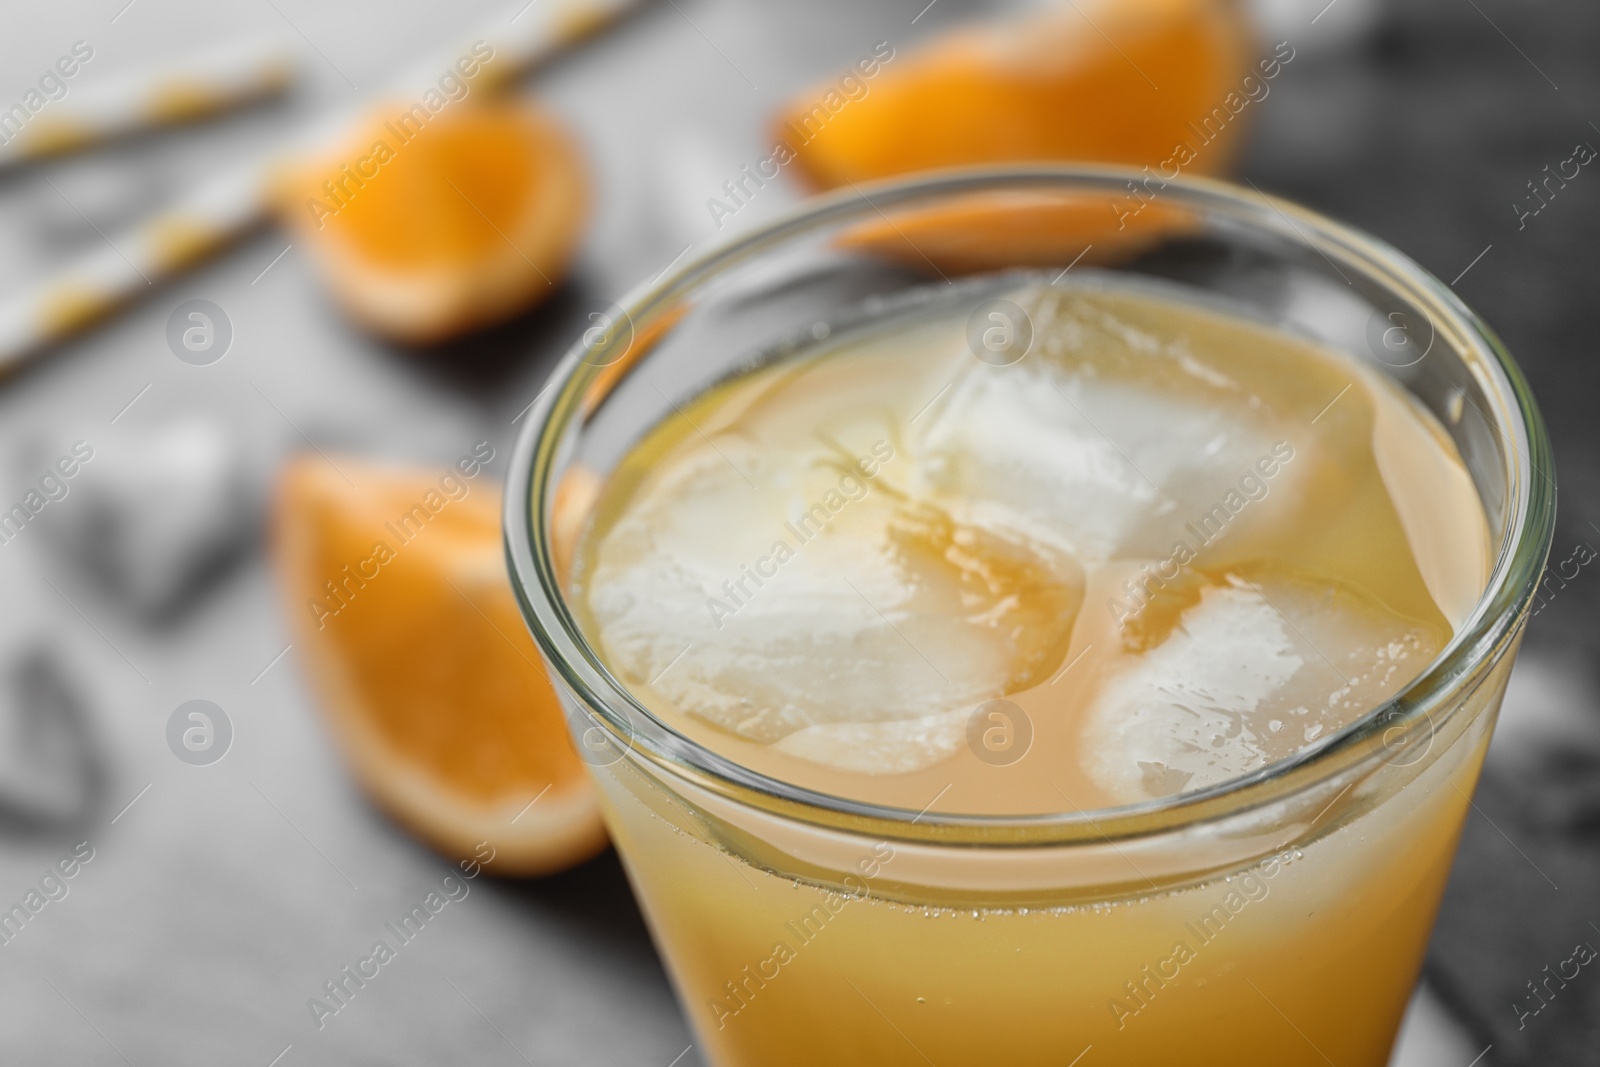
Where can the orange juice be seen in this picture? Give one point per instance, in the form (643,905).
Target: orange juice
(1069,549)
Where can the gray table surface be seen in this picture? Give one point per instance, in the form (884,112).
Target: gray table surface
(224,896)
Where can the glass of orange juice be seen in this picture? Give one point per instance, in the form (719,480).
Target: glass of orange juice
(1036,616)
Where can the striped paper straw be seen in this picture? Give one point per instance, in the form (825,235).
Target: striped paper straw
(218,211)
(128,264)
(194,89)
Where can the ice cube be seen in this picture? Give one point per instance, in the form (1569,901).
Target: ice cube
(1104,441)
(769,592)
(53,771)
(156,516)
(1249,669)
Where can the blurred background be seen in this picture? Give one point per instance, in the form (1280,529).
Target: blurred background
(223,868)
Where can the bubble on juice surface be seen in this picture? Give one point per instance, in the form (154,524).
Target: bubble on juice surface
(784,595)
(1234,671)
(1104,441)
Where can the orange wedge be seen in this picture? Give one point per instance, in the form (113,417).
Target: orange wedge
(406,623)
(427,225)
(1115,81)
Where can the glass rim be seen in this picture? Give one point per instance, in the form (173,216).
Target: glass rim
(1475,648)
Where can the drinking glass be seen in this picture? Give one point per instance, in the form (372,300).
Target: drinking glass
(1277,918)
